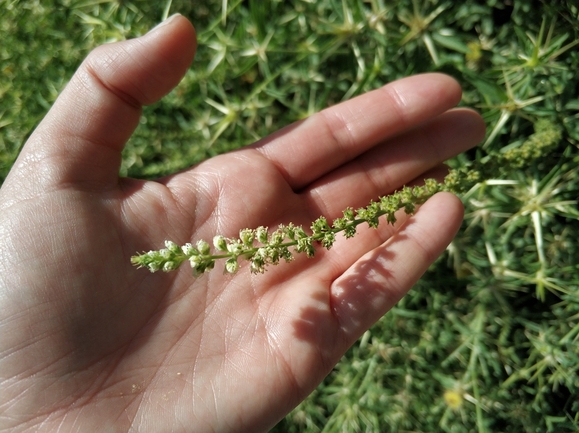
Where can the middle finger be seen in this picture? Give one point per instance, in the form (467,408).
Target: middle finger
(394,163)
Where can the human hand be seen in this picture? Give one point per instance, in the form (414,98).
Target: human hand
(89,343)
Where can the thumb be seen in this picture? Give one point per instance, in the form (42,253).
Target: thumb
(80,140)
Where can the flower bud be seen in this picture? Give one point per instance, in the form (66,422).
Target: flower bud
(172,246)
(289,231)
(153,266)
(320,225)
(257,266)
(276,237)
(235,248)
(261,234)
(418,191)
(169,266)
(328,240)
(188,250)
(220,243)
(431,185)
(231,265)
(349,214)
(246,236)
(203,246)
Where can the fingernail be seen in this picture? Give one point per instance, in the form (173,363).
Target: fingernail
(164,23)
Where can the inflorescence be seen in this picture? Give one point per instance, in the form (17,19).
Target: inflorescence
(263,248)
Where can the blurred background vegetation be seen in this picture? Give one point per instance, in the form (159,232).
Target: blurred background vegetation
(488,341)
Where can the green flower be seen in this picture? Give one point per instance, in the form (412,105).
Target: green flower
(281,243)
(203,247)
(220,243)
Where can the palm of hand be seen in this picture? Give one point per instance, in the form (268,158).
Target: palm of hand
(117,348)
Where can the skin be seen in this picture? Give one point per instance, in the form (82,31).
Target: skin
(89,343)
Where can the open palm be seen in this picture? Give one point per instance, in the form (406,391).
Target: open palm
(89,343)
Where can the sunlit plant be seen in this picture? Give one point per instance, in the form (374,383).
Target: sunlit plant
(262,248)
(488,339)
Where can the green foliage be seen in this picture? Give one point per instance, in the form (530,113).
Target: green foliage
(488,340)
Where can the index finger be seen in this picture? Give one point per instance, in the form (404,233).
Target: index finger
(306,150)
